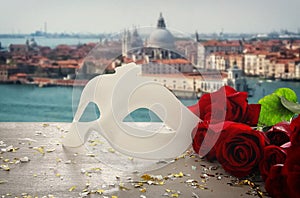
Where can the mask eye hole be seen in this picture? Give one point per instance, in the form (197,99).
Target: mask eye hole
(142,115)
(91,113)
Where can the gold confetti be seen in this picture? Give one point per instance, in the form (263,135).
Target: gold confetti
(143,190)
(146,177)
(72,188)
(138,185)
(100,191)
(111,150)
(174,195)
(114,196)
(178,175)
(122,187)
(45,125)
(97,169)
(57,174)
(40,149)
(253,186)
(6,160)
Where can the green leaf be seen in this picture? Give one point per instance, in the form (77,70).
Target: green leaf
(288,93)
(292,106)
(272,109)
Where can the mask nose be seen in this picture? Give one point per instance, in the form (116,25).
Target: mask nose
(79,130)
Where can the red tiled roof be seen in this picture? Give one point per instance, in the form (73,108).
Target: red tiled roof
(172,61)
(222,43)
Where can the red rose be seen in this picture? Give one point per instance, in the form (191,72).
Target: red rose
(205,136)
(295,128)
(292,167)
(198,135)
(275,184)
(272,155)
(226,104)
(241,148)
(279,134)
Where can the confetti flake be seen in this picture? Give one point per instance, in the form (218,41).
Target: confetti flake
(100,191)
(96,169)
(195,195)
(146,177)
(72,188)
(45,125)
(4,167)
(191,181)
(40,149)
(68,162)
(180,174)
(50,150)
(143,190)
(3,181)
(10,148)
(90,155)
(130,158)
(122,187)
(138,185)
(24,159)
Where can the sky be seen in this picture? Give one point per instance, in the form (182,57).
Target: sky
(110,16)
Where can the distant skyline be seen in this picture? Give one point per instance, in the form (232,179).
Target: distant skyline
(99,16)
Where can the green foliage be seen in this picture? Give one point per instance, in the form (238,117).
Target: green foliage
(272,108)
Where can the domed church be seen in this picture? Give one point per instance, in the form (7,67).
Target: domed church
(158,54)
(161,37)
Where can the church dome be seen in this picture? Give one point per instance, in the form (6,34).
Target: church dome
(161,37)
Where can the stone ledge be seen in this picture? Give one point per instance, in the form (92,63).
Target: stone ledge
(64,172)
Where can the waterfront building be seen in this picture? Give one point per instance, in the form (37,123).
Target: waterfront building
(212,46)
(297,71)
(3,73)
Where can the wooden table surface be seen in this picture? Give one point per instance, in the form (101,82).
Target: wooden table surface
(35,164)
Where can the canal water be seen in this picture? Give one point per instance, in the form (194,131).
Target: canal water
(28,103)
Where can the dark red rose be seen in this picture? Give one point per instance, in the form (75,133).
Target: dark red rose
(198,135)
(295,128)
(205,136)
(292,166)
(226,104)
(275,184)
(240,149)
(272,155)
(279,134)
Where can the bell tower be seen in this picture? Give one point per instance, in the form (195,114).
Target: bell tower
(236,79)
